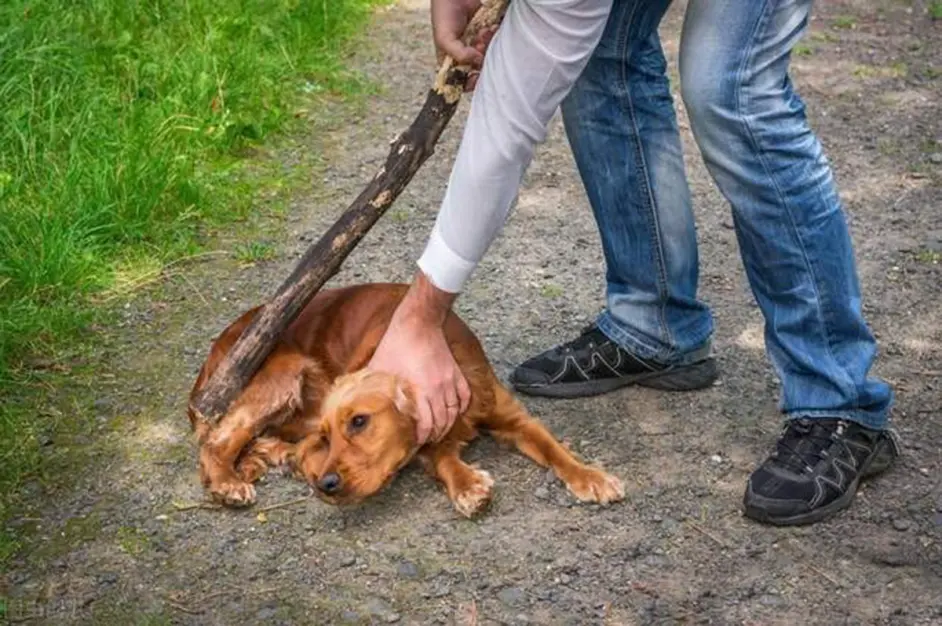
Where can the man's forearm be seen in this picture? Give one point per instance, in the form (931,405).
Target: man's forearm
(531,64)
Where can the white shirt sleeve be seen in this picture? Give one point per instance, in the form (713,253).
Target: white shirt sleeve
(531,64)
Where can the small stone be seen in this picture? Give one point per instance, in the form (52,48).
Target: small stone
(381,609)
(347,560)
(510,595)
(407,569)
(716,458)
(266,612)
(521,618)
(770,600)
(901,524)
(892,559)
(562,499)
(542,493)
(350,617)
(440,591)
(565,579)
(655,561)
(936,157)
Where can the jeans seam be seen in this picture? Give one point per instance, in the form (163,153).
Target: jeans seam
(747,61)
(627,340)
(630,341)
(623,32)
(876,421)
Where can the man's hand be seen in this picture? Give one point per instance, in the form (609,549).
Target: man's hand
(449,20)
(414,348)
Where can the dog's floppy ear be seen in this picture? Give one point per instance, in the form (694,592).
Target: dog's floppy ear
(403,398)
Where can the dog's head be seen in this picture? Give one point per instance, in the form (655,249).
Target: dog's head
(366,434)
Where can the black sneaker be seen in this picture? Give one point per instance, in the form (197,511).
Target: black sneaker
(592,364)
(815,470)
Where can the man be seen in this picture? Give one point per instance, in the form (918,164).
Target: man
(602,62)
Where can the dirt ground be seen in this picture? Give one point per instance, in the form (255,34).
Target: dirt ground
(108,544)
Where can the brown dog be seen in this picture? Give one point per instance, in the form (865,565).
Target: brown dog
(348,430)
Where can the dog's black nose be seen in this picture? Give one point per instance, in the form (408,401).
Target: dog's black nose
(329,483)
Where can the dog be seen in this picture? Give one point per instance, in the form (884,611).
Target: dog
(316,409)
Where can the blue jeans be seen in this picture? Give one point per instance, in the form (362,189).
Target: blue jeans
(751,129)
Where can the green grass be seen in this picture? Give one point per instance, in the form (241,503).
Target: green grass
(803,50)
(254,252)
(897,70)
(123,133)
(935,9)
(931,257)
(845,22)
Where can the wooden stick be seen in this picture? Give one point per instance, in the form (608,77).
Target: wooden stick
(323,259)
(703,531)
(282,505)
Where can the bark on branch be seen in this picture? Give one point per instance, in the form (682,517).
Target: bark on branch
(323,259)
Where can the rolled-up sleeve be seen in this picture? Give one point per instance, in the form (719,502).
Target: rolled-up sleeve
(531,64)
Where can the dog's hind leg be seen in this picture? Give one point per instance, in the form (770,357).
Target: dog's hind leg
(510,422)
(261,454)
(469,488)
(274,395)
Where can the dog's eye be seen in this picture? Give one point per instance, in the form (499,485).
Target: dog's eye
(358,422)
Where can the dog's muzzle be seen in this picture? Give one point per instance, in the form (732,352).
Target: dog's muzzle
(330,483)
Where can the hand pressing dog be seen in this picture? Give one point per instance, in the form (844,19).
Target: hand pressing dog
(348,430)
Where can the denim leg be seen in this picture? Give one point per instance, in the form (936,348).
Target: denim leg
(756,142)
(622,128)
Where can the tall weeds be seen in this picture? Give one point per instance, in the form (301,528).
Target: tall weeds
(119,121)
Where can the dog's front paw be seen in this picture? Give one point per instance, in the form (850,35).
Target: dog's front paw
(251,468)
(474,498)
(594,485)
(233,492)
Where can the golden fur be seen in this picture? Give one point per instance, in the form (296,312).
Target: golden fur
(348,430)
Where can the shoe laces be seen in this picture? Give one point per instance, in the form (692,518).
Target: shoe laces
(805,442)
(585,339)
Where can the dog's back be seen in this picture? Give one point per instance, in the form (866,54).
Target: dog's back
(340,329)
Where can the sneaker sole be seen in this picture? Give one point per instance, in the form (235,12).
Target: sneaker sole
(685,378)
(825,512)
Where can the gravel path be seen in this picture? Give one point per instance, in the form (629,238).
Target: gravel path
(107,545)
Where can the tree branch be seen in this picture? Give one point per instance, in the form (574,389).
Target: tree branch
(323,259)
